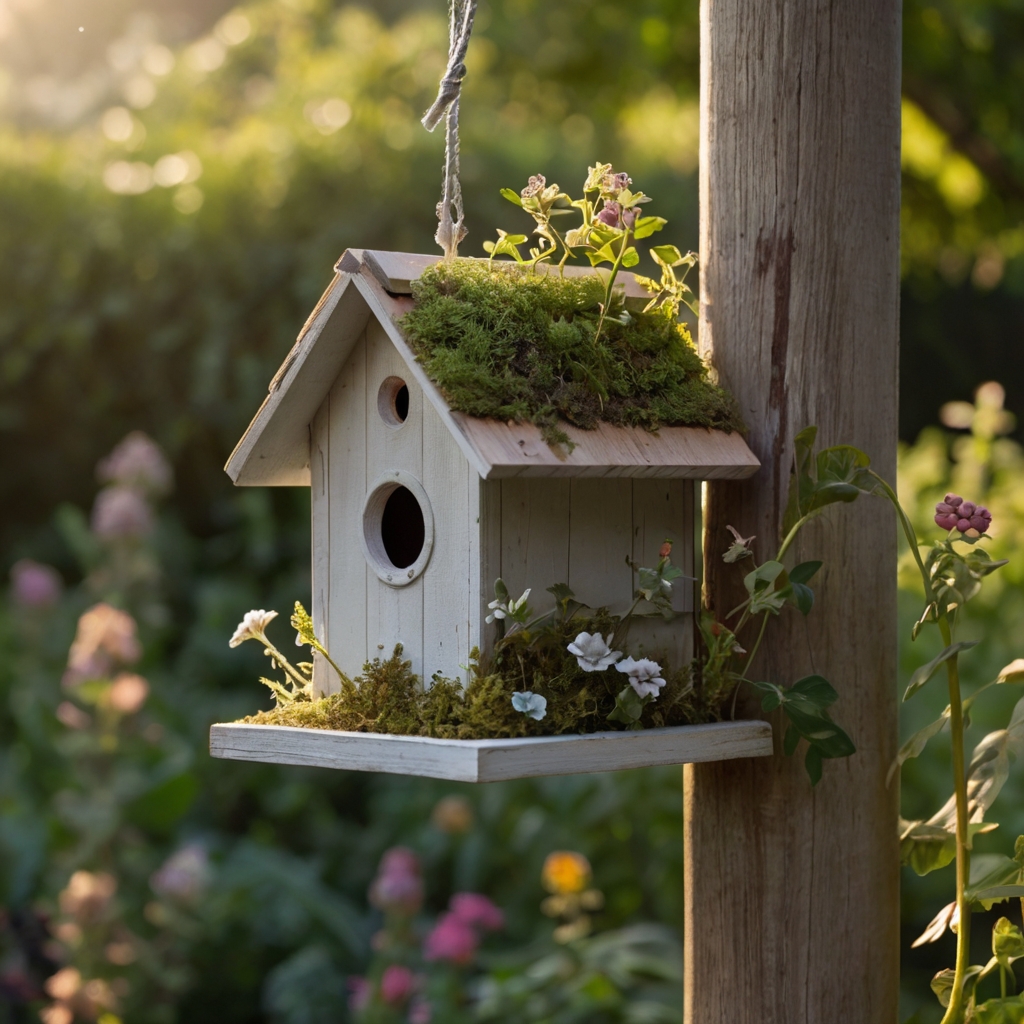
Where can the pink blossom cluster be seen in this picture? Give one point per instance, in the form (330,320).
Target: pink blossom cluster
(398,886)
(35,585)
(953,513)
(398,987)
(105,636)
(456,936)
(136,471)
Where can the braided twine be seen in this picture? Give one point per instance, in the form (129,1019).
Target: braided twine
(450,228)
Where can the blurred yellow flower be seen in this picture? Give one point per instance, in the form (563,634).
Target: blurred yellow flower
(565,872)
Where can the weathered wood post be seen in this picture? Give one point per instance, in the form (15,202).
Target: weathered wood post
(791,894)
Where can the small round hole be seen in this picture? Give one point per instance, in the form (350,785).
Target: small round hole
(393,401)
(402,530)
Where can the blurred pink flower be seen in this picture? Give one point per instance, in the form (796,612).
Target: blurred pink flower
(397,984)
(184,875)
(121,512)
(451,939)
(127,693)
(34,585)
(398,887)
(105,636)
(359,993)
(138,462)
(420,1012)
(953,513)
(72,715)
(477,911)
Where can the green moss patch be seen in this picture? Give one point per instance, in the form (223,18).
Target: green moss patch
(389,698)
(512,344)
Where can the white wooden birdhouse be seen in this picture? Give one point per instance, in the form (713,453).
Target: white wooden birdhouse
(417,509)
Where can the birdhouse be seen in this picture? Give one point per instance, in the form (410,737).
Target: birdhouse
(417,508)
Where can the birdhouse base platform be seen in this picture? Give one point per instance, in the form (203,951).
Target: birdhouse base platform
(490,760)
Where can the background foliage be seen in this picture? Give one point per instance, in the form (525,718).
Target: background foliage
(175,185)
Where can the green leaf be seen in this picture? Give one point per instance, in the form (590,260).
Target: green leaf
(760,586)
(917,743)
(792,739)
(628,707)
(803,597)
(820,731)
(1000,1011)
(1007,941)
(814,691)
(942,983)
(670,256)
(646,226)
(925,672)
(801,485)
(631,257)
(812,762)
(774,695)
(803,572)
(512,196)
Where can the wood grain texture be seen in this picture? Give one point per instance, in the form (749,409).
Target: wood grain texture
(448,590)
(792,894)
(325,679)
(274,450)
(692,453)
(394,615)
(346,488)
(489,760)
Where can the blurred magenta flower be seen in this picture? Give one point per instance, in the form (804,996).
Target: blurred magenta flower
(397,984)
(120,513)
(451,939)
(398,887)
(359,993)
(477,911)
(138,462)
(35,585)
(953,513)
(611,214)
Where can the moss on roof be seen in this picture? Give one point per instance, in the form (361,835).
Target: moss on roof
(512,344)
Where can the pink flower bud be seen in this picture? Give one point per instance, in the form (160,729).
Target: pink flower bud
(397,984)
(610,214)
(452,940)
(398,887)
(966,510)
(359,993)
(477,911)
(953,499)
(34,585)
(963,525)
(946,521)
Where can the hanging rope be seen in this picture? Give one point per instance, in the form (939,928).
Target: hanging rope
(450,228)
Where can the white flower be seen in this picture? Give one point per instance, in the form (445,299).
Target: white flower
(500,610)
(533,705)
(252,627)
(644,676)
(592,653)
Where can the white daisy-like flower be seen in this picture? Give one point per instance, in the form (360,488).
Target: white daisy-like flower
(644,676)
(252,626)
(592,653)
(501,610)
(533,705)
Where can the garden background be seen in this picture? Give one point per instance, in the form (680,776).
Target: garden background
(176,182)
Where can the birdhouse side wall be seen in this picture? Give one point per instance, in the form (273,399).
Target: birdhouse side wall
(581,531)
(355,449)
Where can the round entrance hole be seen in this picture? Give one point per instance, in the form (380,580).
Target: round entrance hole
(398,528)
(401,528)
(393,401)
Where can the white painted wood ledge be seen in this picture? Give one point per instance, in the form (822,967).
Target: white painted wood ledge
(490,760)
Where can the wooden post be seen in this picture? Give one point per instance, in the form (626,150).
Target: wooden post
(792,894)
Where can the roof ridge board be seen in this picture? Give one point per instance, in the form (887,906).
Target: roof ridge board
(396,271)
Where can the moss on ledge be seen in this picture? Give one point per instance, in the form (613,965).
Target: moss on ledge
(389,698)
(512,344)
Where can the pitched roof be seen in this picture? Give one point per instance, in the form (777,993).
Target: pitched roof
(275,448)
